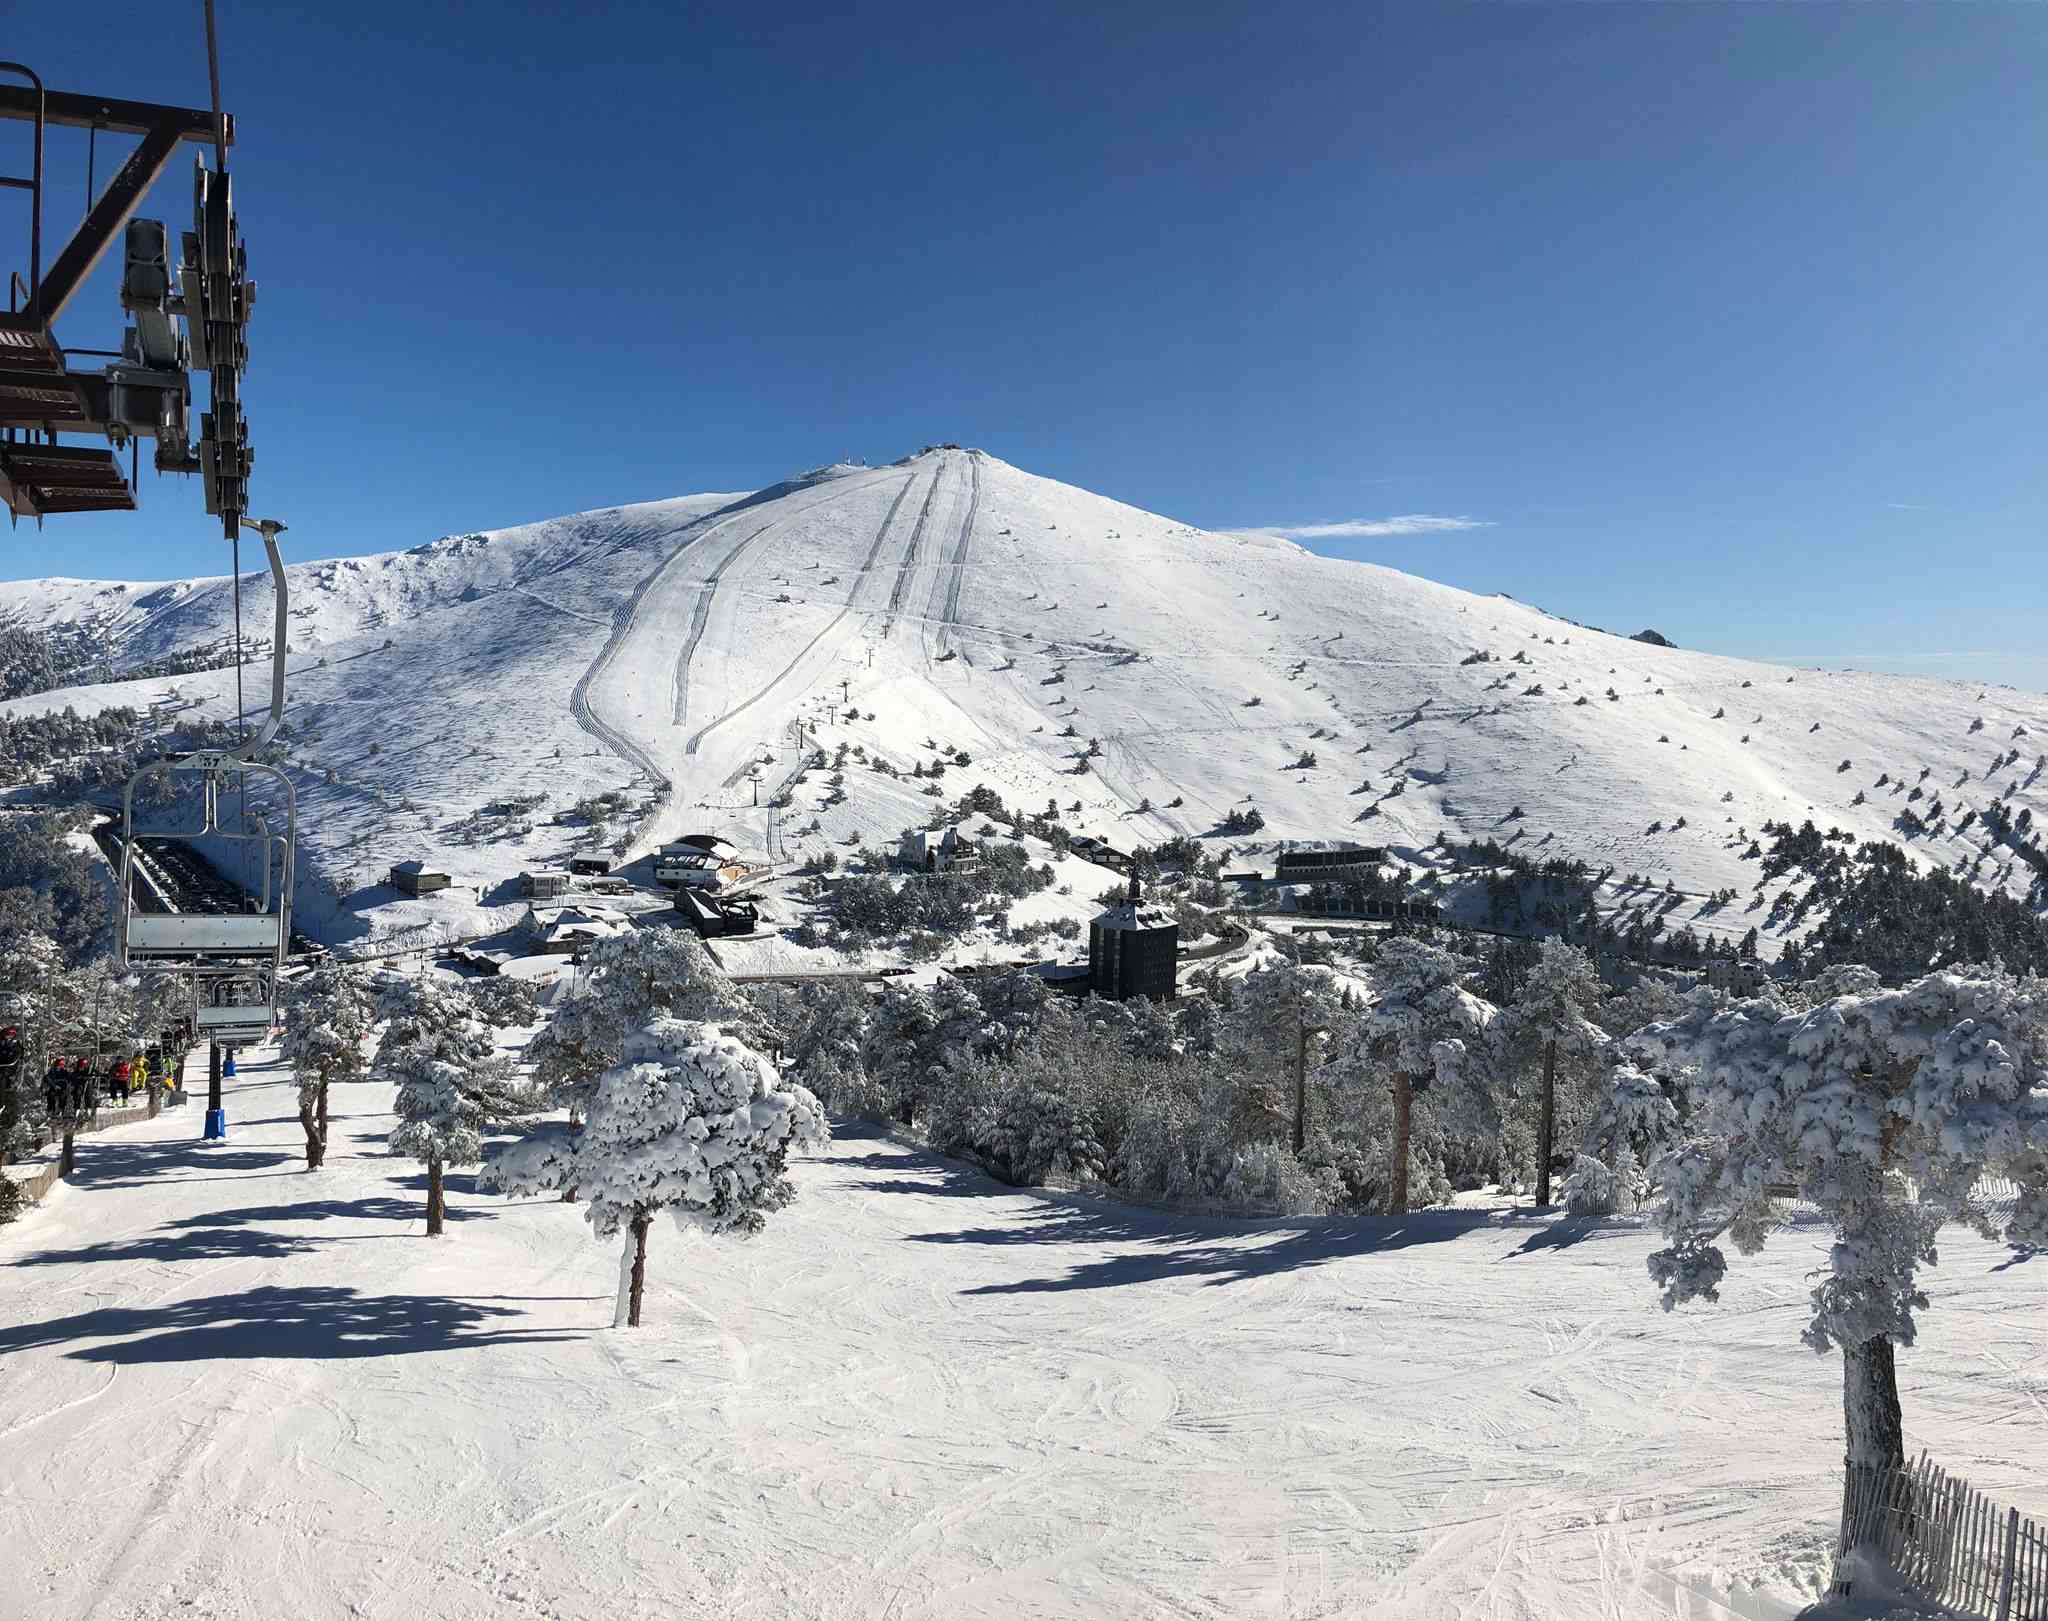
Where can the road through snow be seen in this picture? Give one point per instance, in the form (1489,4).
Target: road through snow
(237,1390)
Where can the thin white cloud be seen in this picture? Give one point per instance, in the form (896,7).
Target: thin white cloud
(1407,523)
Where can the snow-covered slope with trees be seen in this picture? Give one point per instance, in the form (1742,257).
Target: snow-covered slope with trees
(242,1392)
(952,601)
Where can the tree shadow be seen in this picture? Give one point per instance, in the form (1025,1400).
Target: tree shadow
(107,1164)
(1563,1233)
(315,1322)
(1162,1247)
(249,1233)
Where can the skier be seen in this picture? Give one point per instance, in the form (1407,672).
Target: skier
(75,1088)
(56,1082)
(118,1079)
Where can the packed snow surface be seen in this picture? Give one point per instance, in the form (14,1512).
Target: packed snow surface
(238,1390)
(952,600)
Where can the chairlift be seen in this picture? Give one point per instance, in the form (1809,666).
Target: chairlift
(214,946)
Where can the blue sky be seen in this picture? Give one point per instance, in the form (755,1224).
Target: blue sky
(1723,319)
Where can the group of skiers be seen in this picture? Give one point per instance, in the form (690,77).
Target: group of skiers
(74,1087)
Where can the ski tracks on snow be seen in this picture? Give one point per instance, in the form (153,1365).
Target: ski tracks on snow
(908,567)
(939,639)
(832,624)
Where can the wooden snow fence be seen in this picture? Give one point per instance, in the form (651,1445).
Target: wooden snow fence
(1947,1541)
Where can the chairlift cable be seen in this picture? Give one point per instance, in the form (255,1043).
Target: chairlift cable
(220,142)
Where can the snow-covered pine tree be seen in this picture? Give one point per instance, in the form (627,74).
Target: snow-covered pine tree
(328,1015)
(1417,1025)
(919,1038)
(1550,1024)
(1280,1022)
(688,1119)
(440,1053)
(1632,1121)
(630,978)
(437,1124)
(32,975)
(1885,1109)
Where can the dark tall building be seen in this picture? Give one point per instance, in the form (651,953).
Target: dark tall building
(1133,950)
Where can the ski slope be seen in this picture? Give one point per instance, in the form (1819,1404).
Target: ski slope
(240,1391)
(963,602)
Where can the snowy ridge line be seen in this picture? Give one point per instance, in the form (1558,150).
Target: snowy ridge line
(905,568)
(958,561)
(700,613)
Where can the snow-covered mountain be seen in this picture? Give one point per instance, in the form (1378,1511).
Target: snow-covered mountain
(963,603)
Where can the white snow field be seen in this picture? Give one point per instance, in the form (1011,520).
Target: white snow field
(963,602)
(232,1389)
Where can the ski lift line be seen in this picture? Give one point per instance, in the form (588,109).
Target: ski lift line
(220,132)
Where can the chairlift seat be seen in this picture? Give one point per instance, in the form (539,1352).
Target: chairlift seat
(239,1026)
(182,936)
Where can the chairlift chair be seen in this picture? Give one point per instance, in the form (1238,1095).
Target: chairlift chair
(215,946)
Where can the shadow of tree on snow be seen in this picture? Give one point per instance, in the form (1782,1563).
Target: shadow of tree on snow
(1155,1247)
(313,1322)
(249,1233)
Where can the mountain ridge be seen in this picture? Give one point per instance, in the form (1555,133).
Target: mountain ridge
(959,599)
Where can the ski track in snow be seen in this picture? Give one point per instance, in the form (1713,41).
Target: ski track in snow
(908,566)
(939,637)
(803,653)
(245,1391)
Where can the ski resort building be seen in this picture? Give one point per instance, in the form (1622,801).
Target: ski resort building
(1348,864)
(414,878)
(712,916)
(544,886)
(563,930)
(687,866)
(1738,976)
(933,849)
(1133,950)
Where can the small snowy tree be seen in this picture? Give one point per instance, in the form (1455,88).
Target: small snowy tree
(328,1016)
(1280,1022)
(1885,1108)
(1632,1122)
(436,1123)
(689,1120)
(41,997)
(440,1052)
(1551,1020)
(1416,1026)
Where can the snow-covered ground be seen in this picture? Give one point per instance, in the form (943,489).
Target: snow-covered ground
(236,1390)
(963,602)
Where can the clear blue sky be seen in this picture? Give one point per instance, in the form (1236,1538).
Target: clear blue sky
(1726,319)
